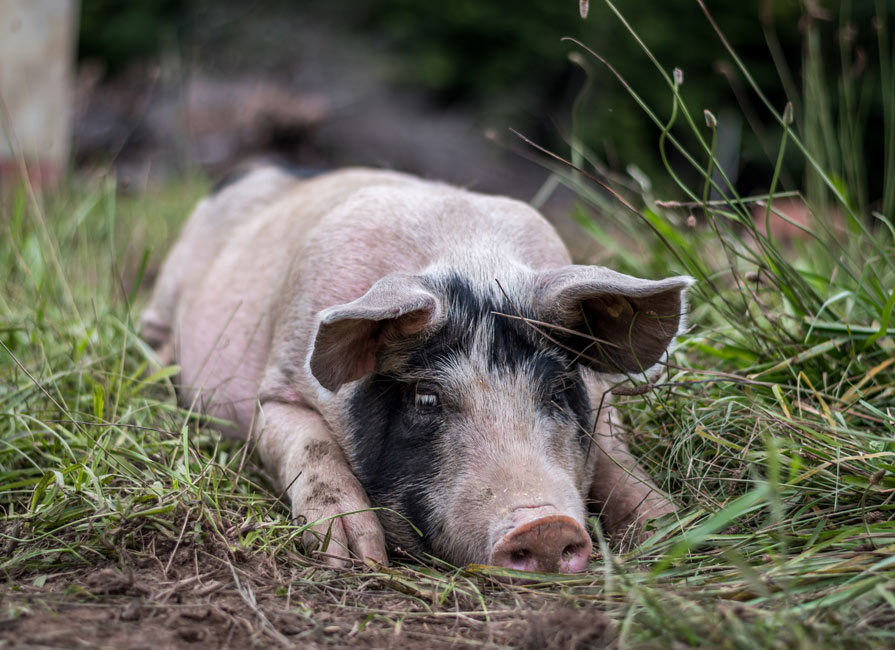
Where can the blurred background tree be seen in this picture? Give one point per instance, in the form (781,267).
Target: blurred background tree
(119,32)
(504,61)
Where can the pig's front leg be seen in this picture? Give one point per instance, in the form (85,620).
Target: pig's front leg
(624,493)
(297,447)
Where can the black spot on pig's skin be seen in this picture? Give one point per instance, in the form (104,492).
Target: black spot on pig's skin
(317,450)
(392,450)
(322,494)
(395,446)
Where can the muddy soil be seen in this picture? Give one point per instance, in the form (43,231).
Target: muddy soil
(170,595)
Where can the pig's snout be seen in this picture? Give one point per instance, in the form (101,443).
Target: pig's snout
(549,544)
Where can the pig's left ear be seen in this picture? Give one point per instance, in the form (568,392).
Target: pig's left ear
(349,336)
(623,324)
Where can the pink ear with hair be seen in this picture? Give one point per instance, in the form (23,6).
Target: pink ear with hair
(349,336)
(624,324)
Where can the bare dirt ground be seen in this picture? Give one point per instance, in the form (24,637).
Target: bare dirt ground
(189,595)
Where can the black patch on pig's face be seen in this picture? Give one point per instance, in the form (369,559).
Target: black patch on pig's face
(397,445)
(392,453)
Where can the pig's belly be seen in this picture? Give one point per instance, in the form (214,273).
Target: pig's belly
(222,343)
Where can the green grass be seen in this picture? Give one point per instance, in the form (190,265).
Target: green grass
(773,427)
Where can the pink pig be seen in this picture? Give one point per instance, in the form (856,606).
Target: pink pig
(399,343)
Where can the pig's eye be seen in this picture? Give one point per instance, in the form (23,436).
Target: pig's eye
(426,396)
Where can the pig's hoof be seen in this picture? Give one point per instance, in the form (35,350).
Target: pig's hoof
(343,540)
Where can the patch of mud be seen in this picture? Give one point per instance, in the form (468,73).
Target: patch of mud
(569,629)
(215,595)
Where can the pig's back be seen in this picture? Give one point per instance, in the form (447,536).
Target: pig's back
(225,281)
(387,224)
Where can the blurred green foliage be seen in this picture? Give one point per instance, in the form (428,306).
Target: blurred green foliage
(117,32)
(506,60)
(480,51)
(474,50)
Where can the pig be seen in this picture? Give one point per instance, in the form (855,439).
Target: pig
(424,358)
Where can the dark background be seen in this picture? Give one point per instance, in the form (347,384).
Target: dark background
(416,86)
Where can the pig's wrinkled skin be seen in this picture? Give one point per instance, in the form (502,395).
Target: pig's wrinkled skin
(364,327)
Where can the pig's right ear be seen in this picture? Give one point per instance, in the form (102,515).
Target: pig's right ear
(349,336)
(621,324)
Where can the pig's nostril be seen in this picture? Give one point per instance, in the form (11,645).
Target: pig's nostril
(555,543)
(569,551)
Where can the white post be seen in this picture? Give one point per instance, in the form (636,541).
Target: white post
(37,47)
